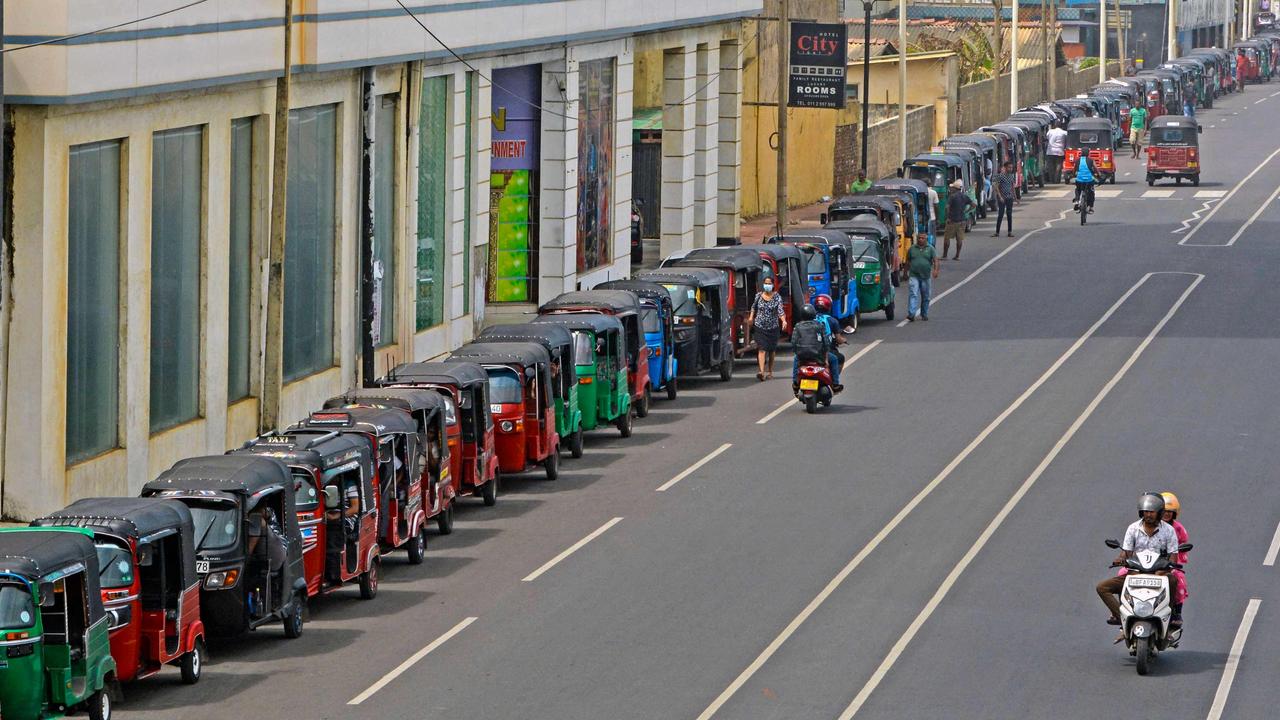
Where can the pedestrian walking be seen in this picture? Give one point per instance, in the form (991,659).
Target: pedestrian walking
(861,184)
(1137,128)
(767,322)
(922,266)
(1189,99)
(1003,183)
(958,203)
(1055,149)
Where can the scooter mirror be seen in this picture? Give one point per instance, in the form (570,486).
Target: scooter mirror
(1185,547)
(1114,544)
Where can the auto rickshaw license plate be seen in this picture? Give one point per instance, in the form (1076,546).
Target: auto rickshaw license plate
(808,384)
(202,567)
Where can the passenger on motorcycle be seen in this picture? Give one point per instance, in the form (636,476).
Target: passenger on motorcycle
(835,361)
(1172,508)
(809,315)
(1148,533)
(1085,180)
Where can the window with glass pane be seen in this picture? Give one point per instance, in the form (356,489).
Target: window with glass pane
(240,268)
(466,203)
(93,299)
(595,162)
(384,216)
(311,213)
(433,143)
(176,211)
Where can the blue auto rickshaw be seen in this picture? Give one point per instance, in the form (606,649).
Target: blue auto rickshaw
(657,319)
(828,265)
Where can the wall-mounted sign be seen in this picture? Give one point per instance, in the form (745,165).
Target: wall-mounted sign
(818,58)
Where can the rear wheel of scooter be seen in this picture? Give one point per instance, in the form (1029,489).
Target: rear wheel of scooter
(811,404)
(1143,647)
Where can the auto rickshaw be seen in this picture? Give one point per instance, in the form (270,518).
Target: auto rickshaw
(1170,90)
(1204,70)
(1036,129)
(658,323)
(397,466)
(336,550)
(600,350)
(465,387)
(625,306)
(871,263)
(937,174)
(1173,149)
(988,159)
(147,572)
(906,233)
(976,170)
(699,302)
(56,632)
(521,397)
(429,410)
(888,210)
(785,265)
(559,344)
(828,264)
(744,268)
(1018,138)
(247,580)
(1092,136)
(920,191)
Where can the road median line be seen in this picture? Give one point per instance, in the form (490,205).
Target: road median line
(694,467)
(1233,660)
(1222,204)
(1275,549)
(571,550)
(411,661)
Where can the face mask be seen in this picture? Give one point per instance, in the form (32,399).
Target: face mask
(768,287)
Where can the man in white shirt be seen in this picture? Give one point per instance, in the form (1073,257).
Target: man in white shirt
(1055,149)
(1148,533)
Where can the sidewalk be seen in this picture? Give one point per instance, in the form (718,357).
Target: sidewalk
(756,230)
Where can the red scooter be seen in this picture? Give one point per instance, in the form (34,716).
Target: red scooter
(814,386)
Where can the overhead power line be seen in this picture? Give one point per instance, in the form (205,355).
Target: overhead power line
(65,38)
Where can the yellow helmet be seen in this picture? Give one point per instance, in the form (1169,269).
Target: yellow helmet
(1171,503)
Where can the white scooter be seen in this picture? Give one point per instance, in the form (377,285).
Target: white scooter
(1146,605)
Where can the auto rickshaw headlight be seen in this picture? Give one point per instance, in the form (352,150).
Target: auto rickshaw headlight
(120,616)
(507,426)
(221,580)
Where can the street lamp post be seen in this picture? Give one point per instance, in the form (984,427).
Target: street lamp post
(866,74)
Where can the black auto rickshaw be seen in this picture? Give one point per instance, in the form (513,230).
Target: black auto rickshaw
(465,387)
(699,300)
(521,397)
(600,349)
(744,269)
(785,264)
(625,306)
(658,322)
(429,411)
(1173,149)
(147,572)
(559,343)
(248,543)
(333,501)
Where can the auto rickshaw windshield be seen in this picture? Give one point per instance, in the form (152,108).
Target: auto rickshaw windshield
(305,495)
(115,565)
(864,250)
(17,609)
(504,387)
(584,351)
(814,260)
(1168,135)
(1084,138)
(684,298)
(928,173)
(217,525)
(650,320)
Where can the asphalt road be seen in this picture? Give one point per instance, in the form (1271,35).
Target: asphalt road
(925,548)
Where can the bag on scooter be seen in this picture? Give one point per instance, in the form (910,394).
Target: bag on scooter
(809,342)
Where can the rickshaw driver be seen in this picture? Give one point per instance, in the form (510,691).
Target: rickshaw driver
(342,528)
(1085,180)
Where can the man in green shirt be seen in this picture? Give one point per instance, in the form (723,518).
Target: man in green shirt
(922,265)
(1137,128)
(861,184)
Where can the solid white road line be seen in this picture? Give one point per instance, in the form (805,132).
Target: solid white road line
(1047,224)
(1228,196)
(408,663)
(571,550)
(1233,660)
(694,467)
(1275,549)
(1210,193)
(1158,194)
(1252,218)
(1008,508)
(1259,102)
(906,510)
(783,407)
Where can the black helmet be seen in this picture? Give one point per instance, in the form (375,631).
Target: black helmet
(1151,501)
(807,312)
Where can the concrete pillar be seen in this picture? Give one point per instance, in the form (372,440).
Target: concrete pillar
(558,200)
(707,146)
(679,86)
(729,131)
(623,110)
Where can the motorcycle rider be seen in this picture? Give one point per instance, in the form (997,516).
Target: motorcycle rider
(1148,533)
(1085,180)
(809,314)
(1172,508)
(835,359)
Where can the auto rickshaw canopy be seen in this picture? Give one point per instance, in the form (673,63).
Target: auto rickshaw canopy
(1174,131)
(556,339)
(236,474)
(410,400)
(615,302)
(47,554)
(369,419)
(643,289)
(1090,133)
(462,375)
(525,354)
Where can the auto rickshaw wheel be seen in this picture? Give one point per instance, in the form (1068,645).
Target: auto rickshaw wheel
(552,465)
(417,547)
(624,423)
(1178,179)
(489,492)
(369,581)
(193,663)
(575,444)
(99,705)
(294,621)
(726,369)
(1195,181)
(444,520)
(853,324)
(671,388)
(1151,181)
(642,408)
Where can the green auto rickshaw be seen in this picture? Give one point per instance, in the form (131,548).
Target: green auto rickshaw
(872,258)
(600,354)
(57,657)
(559,342)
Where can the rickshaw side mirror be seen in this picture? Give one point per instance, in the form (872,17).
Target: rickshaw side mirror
(146,555)
(46,595)
(331,498)
(531,372)
(822,218)
(1199,128)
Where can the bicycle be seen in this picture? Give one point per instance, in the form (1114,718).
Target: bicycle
(1084,200)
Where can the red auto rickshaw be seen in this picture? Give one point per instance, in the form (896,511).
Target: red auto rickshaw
(521,397)
(624,305)
(465,388)
(147,568)
(1092,136)
(1173,149)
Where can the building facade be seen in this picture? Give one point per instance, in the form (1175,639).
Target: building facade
(140,201)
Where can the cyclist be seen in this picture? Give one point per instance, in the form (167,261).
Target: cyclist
(1085,180)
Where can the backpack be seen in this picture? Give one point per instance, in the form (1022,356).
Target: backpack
(809,341)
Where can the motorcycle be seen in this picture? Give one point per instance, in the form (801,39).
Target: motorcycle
(1146,605)
(814,386)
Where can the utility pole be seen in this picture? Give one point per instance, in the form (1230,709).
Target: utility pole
(1046,64)
(1120,43)
(866,76)
(1102,41)
(368,369)
(272,360)
(784,67)
(1173,29)
(1053,50)
(1013,58)
(902,78)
